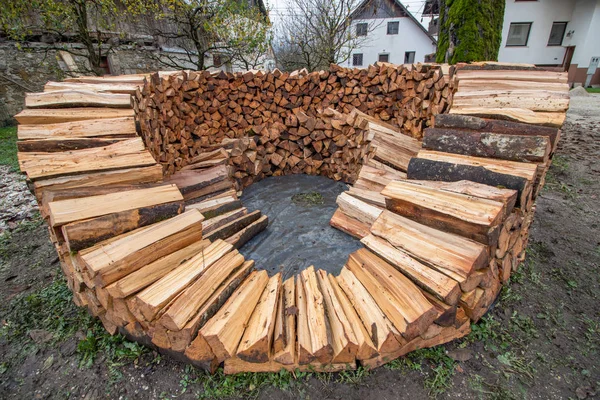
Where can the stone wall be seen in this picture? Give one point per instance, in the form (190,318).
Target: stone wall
(28,68)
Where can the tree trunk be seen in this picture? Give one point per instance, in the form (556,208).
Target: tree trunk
(470,30)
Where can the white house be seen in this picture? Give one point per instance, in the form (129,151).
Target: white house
(561,33)
(554,33)
(391,34)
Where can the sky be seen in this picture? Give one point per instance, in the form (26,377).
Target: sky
(279,10)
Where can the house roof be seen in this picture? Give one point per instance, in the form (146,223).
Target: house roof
(365,3)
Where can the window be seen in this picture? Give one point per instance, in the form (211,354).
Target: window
(557,34)
(392,28)
(361,29)
(518,34)
(217,61)
(384,57)
(409,57)
(104,65)
(357,59)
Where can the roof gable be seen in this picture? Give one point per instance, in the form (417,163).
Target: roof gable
(379,9)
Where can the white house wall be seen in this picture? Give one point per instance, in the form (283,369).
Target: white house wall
(586,35)
(541,14)
(409,38)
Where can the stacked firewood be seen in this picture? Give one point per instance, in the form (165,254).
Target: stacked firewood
(180,114)
(330,144)
(534,95)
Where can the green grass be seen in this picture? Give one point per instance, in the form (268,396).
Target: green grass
(8,147)
(52,310)
(308,199)
(593,90)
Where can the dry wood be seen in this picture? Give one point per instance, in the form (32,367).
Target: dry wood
(55,116)
(180,340)
(258,336)
(358,209)
(384,336)
(472,217)
(86,233)
(427,278)
(551,119)
(223,332)
(152,272)
(70,98)
(237,240)
(152,299)
(115,258)
(112,127)
(284,340)
(449,254)
(234,226)
(123,154)
(484,144)
(397,296)
(351,226)
(115,178)
(108,87)
(313,338)
(457,121)
(210,225)
(343,340)
(65,211)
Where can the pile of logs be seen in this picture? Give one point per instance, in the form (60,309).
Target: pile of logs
(525,94)
(182,114)
(156,256)
(330,144)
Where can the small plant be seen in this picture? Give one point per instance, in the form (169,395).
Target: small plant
(308,199)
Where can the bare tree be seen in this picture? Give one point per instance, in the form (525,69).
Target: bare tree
(230,29)
(88,23)
(317,33)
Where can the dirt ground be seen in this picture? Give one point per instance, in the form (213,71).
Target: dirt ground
(540,341)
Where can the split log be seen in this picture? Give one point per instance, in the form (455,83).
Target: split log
(284,340)
(449,254)
(383,334)
(471,217)
(351,226)
(484,144)
(115,258)
(258,336)
(70,98)
(55,116)
(152,299)
(223,332)
(313,337)
(240,238)
(436,283)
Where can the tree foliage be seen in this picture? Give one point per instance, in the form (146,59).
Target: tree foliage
(317,33)
(89,22)
(231,29)
(470,30)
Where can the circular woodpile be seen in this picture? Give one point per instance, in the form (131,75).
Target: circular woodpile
(138,178)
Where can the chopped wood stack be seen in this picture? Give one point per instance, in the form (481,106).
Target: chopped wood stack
(181,114)
(330,144)
(444,222)
(527,95)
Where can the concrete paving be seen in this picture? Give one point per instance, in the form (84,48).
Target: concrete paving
(299,234)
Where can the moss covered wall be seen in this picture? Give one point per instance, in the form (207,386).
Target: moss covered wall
(470,30)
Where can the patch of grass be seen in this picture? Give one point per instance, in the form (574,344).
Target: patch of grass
(515,365)
(353,377)
(593,90)
(308,199)
(244,385)
(8,147)
(49,309)
(442,368)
